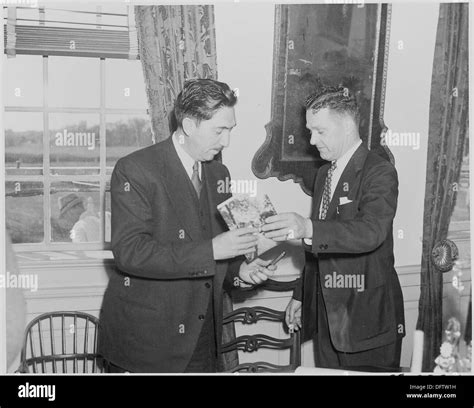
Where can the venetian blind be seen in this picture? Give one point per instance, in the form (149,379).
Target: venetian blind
(92,31)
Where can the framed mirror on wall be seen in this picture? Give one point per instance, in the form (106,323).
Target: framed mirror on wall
(315,45)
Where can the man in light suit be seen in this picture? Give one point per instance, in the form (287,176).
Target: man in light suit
(162,310)
(349,297)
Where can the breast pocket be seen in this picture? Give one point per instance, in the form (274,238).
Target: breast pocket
(347,211)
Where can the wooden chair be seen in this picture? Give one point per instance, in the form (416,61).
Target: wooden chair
(61,342)
(252,343)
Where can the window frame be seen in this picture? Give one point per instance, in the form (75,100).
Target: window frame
(47,178)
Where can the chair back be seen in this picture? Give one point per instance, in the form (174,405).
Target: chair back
(61,342)
(252,343)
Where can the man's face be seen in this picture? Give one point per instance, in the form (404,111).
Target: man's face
(208,137)
(328,133)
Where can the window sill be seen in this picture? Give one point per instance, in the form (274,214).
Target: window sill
(61,259)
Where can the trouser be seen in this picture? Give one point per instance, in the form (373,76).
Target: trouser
(204,357)
(385,358)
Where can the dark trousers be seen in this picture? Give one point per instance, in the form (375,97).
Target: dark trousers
(381,359)
(111,368)
(204,358)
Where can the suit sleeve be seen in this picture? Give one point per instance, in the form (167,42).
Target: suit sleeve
(232,277)
(135,250)
(373,222)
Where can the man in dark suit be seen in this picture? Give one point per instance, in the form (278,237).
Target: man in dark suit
(350,294)
(162,310)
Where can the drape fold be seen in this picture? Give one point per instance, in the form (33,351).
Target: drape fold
(448,127)
(176,43)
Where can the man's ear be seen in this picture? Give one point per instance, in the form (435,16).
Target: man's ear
(189,126)
(348,124)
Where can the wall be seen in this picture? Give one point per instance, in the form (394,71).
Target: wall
(407,110)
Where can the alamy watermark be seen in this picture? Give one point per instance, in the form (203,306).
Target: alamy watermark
(19,281)
(401,139)
(227,186)
(75,139)
(28,390)
(345,281)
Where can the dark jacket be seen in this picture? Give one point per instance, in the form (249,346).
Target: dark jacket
(153,308)
(355,239)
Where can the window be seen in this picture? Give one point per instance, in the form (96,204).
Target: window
(68,119)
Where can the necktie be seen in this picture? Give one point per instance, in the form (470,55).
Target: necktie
(327,191)
(195,179)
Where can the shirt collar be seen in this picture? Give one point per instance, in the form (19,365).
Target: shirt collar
(186,160)
(344,159)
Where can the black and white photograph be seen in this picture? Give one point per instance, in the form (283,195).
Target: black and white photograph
(236,187)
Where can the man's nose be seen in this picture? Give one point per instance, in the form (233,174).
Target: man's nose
(314,139)
(225,138)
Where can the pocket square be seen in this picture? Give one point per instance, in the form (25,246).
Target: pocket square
(344,200)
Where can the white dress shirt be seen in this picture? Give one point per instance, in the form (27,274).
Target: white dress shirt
(341,164)
(186,160)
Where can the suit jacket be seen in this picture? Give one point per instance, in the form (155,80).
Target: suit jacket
(354,240)
(154,305)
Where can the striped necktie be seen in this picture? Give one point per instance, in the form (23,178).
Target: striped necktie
(327,191)
(195,179)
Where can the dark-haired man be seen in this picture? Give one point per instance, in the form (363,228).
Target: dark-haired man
(162,310)
(350,294)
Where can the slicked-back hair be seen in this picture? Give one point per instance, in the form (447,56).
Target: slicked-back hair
(336,98)
(201,98)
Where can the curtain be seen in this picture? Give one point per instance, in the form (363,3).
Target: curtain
(448,126)
(177,43)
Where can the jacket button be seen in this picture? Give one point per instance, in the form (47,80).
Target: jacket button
(204,272)
(207,285)
(201,317)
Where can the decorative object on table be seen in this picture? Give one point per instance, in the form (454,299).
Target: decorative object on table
(444,255)
(243,210)
(450,359)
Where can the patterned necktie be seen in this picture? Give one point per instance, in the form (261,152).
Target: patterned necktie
(327,191)
(195,179)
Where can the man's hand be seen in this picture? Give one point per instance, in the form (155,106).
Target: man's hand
(233,243)
(293,315)
(256,272)
(283,227)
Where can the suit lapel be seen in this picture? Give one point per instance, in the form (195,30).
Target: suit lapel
(347,179)
(177,183)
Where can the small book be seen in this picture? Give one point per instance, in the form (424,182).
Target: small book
(243,210)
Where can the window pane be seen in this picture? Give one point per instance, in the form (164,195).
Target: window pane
(74,82)
(23,143)
(125,86)
(74,143)
(125,134)
(75,211)
(24,81)
(24,211)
